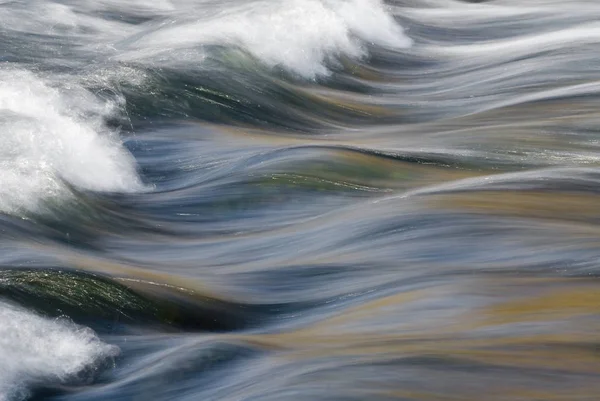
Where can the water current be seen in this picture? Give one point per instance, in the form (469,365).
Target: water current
(245,200)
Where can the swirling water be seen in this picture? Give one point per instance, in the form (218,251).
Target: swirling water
(299,200)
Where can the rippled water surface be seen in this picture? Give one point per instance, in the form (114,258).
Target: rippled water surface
(299,200)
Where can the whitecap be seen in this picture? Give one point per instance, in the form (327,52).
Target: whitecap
(52,133)
(298,35)
(37,351)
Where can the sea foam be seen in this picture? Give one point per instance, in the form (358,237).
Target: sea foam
(37,351)
(298,35)
(50,134)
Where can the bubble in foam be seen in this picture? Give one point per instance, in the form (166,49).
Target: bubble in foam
(299,35)
(37,351)
(50,134)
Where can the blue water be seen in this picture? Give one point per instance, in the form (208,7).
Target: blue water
(299,200)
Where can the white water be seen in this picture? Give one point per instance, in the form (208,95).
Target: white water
(302,36)
(35,351)
(298,35)
(52,130)
(49,134)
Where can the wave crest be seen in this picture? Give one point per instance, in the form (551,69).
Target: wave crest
(50,134)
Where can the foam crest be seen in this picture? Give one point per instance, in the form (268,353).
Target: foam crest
(48,135)
(36,351)
(299,35)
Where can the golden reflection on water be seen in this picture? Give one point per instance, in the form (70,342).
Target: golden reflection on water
(518,338)
(574,207)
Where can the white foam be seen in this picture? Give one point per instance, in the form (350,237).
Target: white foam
(299,35)
(48,134)
(35,351)
(52,131)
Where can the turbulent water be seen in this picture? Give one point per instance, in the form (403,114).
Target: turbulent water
(299,200)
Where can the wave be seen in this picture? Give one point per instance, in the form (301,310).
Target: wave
(38,352)
(310,199)
(53,132)
(79,67)
(300,35)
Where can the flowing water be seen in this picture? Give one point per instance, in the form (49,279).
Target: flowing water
(299,200)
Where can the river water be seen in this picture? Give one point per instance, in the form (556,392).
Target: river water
(299,200)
